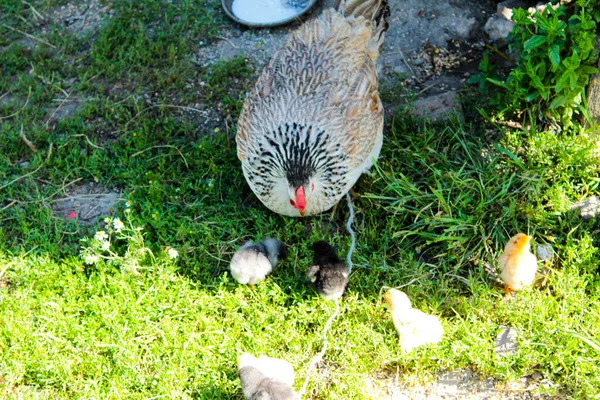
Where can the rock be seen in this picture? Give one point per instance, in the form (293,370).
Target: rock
(544,252)
(24,164)
(87,204)
(439,107)
(498,28)
(588,208)
(506,342)
(593,91)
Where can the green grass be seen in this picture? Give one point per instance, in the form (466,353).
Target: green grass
(442,202)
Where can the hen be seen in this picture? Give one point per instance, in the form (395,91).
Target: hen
(517,264)
(314,121)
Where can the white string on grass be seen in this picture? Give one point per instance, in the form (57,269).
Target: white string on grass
(320,355)
(351,231)
(315,360)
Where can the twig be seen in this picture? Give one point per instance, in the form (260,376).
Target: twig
(27,141)
(63,101)
(87,139)
(21,109)
(32,172)
(228,41)
(9,205)
(35,12)
(28,35)
(160,146)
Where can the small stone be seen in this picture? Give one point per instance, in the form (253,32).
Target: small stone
(506,342)
(24,164)
(498,28)
(545,252)
(587,208)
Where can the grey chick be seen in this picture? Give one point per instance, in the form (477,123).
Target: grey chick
(266,378)
(328,274)
(253,262)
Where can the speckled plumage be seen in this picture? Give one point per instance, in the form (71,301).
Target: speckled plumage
(314,118)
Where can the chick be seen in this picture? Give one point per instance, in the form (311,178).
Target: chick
(328,274)
(266,378)
(517,265)
(253,262)
(414,327)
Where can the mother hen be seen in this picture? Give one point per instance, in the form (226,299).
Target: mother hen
(314,121)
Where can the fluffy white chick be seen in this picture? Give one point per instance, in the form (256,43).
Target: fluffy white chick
(253,262)
(414,327)
(266,378)
(517,264)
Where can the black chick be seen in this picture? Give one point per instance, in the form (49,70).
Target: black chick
(328,274)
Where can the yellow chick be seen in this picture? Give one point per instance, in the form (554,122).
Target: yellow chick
(517,265)
(414,327)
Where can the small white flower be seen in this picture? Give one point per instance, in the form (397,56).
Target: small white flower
(90,258)
(105,245)
(172,253)
(127,204)
(118,224)
(101,236)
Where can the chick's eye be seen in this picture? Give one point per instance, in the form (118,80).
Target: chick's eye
(312,187)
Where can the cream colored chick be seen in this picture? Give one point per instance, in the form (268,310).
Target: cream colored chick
(266,378)
(253,262)
(517,265)
(414,327)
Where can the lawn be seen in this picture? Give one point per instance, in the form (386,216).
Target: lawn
(140,323)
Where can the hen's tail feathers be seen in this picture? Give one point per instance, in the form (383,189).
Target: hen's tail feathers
(376,11)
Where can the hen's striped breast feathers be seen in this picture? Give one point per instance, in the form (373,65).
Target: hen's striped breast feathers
(323,77)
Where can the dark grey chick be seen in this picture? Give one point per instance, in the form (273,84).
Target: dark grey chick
(253,262)
(266,378)
(328,274)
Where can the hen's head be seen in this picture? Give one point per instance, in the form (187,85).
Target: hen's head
(296,170)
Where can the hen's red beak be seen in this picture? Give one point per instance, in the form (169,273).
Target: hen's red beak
(300,201)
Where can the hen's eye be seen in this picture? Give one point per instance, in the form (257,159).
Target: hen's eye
(312,187)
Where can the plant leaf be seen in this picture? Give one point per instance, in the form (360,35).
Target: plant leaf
(535,41)
(587,69)
(554,55)
(558,101)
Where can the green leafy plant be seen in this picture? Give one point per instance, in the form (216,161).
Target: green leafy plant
(556,58)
